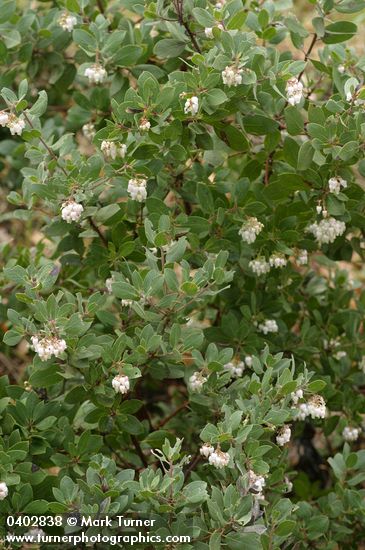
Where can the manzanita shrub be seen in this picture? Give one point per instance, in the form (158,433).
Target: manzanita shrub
(181,286)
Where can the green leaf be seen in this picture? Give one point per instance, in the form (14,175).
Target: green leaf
(341,31)
(169,47)
(40,106)
(259,124)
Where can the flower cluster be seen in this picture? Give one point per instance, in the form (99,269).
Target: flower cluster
(191,106)
(277,260)
(315,407)
(144,125)
(232,76)
(112,150)
(256,483)
(327,230)
(67,21)
(235,367)
(296,396)
(270,325)
(15,124)
(89,131)
(350,434)
(259,266)
(250,229)
(216,457)
(335,184)
(294,91)
(302,257)
(283,436)
(137,189)
(71,211)
(48,346)
(4,491)
(196,381)
(121,384)
(96,73)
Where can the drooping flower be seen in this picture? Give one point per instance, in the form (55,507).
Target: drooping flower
(4,491)
(197,381)
(71,211)
(294,91)
(112,149)
(335,184)
(67,21)
(327,230)
(283,436)
(219,459)
(96,73)
(250,229)
(350,434)
(232,76)
(121,384)
(48,346)
(137,189)
(192,106)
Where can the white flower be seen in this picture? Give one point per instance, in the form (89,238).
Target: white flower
(319,209)
(35,533)
(350,434)
(219,459)
(277,260)
(120,384)
(108,284)
(256,483)
(4,491)
(294,91)
(335,184)
(283,436)
(250,229)
(340,355)
(232,76)
(316,408)
(249,360)
(259,266)
(4,118)
(295,396)
(289,485)
(96,73)
(71,211)
(191,106)
(48,346)
(126,303)
(341,69)
(206,450)
(302,257)
(219,5)
(144,125)
(196,381)
(89,131)
(235,367)
(112,150)
(327,230)
(349,96)
(67,22)
(16,125)
(209,32)
(137,189)
(270,325)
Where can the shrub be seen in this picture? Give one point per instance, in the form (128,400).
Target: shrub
(182,249)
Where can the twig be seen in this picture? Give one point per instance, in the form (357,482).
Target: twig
(174,413)
(180,14)
(96,228)
(308,52)
(52,153)
(195,461)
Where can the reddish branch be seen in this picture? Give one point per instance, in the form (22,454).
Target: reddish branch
(179,6)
